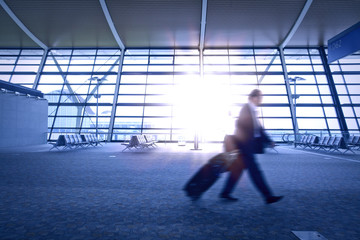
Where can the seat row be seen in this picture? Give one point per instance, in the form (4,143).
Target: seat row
(329,143)
(72,141)
(139,142)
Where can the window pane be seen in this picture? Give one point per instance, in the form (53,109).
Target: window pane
(333,123)
(68,122)
(157,123)
(352,78)
(305,89)
(330,111)
(131,99)
(267,59)
(135,60)
(279,123)
(216,60)
(357,111)
(341,89)
(238,68)
(133,79)
(355,99)
(161,60)
(163,68)
(309,112)
(351,123)
(275,111)
(268,89)
(137,68)
(132,89)
(23,79)
(161,51)
(242,60)
(158,111)
(129,111)
(344,99)
(312,123)
(186,60)
(348,111)
(354,89)
(308,99)
(275,99)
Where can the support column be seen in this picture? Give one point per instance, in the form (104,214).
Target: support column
(289,93)
(116,94)
(334,95)
(41,67)
(196,134)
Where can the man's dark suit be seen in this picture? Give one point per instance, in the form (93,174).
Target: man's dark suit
(246,128)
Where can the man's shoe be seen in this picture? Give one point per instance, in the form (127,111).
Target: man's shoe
(273,199)
(228,197)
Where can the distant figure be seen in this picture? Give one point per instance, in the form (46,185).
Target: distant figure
(249,134)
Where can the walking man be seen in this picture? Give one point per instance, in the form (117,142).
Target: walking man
(248,134)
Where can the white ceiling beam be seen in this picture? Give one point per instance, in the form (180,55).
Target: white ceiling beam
(203,24)
(111,24)
(22,26)
(296,24)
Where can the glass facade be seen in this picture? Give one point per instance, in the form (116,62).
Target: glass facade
(20,66)
(79,85)
(156,94)
(173,94)
(346,75)
(315,109)
(229,76)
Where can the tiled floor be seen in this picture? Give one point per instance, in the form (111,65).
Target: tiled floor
(102,193)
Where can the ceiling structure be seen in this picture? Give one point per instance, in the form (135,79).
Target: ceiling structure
(173,23)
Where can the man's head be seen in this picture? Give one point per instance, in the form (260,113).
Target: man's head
(256,97)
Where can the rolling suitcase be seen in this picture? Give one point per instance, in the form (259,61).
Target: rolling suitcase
(207,175)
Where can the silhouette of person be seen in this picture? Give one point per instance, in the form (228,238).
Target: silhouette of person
(247,130)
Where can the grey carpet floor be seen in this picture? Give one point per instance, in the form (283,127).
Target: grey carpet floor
(103,193)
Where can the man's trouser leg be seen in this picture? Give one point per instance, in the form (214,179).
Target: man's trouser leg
(234,175)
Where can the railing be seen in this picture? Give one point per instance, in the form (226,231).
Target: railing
(20,89)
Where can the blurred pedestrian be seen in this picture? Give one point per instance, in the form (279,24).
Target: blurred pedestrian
(249,139)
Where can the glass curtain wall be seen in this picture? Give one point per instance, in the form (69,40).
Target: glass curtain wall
(229,76)
(162,92)
(20,66)
(315,110)
(346,75)
(79,85)
(157,94)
